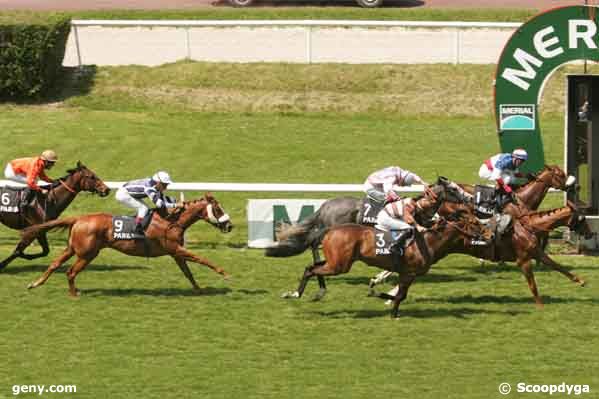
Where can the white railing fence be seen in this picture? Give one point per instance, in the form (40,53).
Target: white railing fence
(154,42)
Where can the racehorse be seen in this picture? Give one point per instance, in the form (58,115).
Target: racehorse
(427,205)
(343,245)
(295,239)
(59,197)
(528,198)
(89,234)
(525,242)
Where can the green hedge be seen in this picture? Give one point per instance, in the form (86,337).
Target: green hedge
(31,57)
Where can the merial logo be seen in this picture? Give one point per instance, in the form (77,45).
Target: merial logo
(517,117)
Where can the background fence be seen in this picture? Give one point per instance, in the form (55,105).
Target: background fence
(304,41)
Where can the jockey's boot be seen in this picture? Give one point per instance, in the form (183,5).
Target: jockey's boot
(26,199)
(138,227)
(397,249)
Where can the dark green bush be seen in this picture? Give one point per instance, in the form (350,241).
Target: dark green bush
(31,57)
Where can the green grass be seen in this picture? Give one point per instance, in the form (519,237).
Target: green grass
(139,331)
(228,13)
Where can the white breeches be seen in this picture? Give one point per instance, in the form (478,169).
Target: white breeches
(374,192)
(387,222)
(124,198)
(506,175)
(10,174)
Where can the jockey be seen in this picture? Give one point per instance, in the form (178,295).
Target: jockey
(132,193)
(28,170)
(399,216)
(503,168)
(379,185)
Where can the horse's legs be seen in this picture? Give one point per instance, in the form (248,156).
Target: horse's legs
(185,269)
(17,252)
(379,278)
(405,280)
(77,267)
(183,253)
(321,282)
(66,255)
(526,267)
(543,257)
(43,241)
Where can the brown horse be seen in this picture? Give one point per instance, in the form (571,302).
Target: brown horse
(427,206)
(531,194)
(89,234)
(525,242)
(59,197)
(345,244)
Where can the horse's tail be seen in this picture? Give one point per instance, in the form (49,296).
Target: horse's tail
(295,239)
(34,231)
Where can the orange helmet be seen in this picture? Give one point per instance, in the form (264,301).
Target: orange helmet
(49,156)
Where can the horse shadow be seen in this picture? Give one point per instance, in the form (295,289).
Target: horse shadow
(458,313)
(158,292)
(42,268)
(502,299)
(427,278)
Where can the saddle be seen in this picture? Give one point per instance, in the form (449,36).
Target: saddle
(124,227)
(369,211)
(385,239)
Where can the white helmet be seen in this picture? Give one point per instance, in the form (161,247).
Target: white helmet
(520,153)
(162,177)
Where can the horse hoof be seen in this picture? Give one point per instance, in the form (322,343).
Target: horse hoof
(30,286)
(582,283)
(227,277)
(290,294)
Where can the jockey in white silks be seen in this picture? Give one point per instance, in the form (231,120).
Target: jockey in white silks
(379,185)
(503,168)
(132,193)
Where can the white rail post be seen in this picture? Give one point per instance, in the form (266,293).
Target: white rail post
(309,44)
(77,45)
(188,43)
(457,46)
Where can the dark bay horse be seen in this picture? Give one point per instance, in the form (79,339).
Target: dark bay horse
(59,197)
(89,234)
(343,245)
(525,243)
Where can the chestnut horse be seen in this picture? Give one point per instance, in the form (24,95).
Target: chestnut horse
(525,242)
(427,206)
(59,197)
(89,234)
(345,244)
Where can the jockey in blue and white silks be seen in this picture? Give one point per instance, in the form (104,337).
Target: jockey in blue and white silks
(503,168)
(132,193)
(379,185)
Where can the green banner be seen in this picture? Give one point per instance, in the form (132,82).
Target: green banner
(534,51)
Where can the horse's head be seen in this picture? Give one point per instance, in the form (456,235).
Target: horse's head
(553,176)
(83,179)
(434,195)
(578,222)
(209,209)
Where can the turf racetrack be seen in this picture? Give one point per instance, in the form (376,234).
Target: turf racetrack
(138,330)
